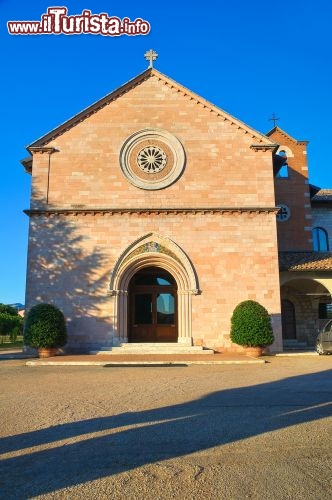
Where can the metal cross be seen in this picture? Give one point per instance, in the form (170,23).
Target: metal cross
(274,119)
(150,56)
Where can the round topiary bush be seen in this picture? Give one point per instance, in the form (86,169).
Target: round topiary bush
(251,325)
(45,326)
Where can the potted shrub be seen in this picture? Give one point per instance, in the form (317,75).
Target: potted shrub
(45,329)
(251,327)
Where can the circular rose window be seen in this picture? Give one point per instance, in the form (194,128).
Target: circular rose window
(152,159)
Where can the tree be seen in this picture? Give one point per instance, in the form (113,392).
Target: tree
(45,327)
(11,324)
(251,325)
(8,310)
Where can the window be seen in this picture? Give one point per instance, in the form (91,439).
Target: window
(284,213)
(152,158)
(325,311)
(283,172)
(320,240)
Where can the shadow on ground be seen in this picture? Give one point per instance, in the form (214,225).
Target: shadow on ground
(125,441)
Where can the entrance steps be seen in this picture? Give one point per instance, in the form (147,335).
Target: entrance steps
(154,348)
(295,345)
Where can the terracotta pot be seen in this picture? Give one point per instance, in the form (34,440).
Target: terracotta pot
(47,352)
(254,352)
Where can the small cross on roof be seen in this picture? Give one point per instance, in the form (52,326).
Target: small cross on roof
(150,56)
(274,119)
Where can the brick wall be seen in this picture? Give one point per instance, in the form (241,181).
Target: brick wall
(295,233)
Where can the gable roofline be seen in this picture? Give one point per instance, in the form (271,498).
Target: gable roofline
(282,132)
(104,101)
(88,111)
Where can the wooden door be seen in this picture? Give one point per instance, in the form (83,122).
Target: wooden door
(288,320)
(153,307)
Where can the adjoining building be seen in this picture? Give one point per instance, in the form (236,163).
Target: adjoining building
(154,213)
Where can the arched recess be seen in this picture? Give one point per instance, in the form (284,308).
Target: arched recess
(153,250)
(307,292)
(287,150)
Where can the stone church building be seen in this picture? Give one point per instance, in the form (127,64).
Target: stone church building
(154,213)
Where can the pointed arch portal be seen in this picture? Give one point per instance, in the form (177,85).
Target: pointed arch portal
(136,292)
(152,306)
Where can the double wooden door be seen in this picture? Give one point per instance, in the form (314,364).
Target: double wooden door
(153,307)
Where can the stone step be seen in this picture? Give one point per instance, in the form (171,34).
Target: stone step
(154,348)
(293,344)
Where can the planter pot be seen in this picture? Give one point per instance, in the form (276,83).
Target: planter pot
(254,352)
(47,352)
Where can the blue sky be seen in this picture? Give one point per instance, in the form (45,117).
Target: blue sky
(249,58)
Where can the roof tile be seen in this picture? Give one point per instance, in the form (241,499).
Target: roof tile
(305,261)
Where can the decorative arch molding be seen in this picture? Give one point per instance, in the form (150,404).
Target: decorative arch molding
(287,150)
(148,251)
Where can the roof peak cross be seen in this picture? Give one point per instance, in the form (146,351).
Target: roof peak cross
(274,119)
(150,56)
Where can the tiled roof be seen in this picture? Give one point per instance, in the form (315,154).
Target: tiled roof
(323,196)
(305,261)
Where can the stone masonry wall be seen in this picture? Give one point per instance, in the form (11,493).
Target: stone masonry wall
(322,217)
(221,168)
(71,259)
(234,253)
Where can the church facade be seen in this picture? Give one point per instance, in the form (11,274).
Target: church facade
(154,213)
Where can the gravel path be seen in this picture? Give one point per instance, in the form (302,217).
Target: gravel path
(182,432)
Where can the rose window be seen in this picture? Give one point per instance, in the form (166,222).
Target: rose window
(151,159)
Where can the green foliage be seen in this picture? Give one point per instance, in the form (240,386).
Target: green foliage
(45,327)
(251,325)
(10,325)
(8,310)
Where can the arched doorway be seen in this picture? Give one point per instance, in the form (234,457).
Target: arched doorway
(303,296)
(153,250)
(152,306)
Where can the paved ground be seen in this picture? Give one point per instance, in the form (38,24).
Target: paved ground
(183,432)
(104,359)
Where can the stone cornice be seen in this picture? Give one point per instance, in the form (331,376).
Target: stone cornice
(42,149)
(148,211)
(264,147)
(27,164)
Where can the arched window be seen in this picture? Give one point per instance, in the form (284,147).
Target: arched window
(320,240)
(283,172)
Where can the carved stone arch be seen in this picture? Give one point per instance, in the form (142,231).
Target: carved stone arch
(149,251)
(287,150)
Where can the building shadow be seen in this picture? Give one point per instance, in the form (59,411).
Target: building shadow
(70,271)
(78,452)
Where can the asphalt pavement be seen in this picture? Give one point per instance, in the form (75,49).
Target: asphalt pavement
(261,431)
